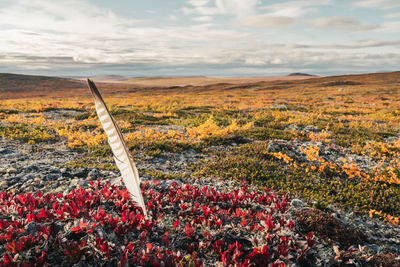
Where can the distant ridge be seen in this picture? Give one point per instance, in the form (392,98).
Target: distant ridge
(301,74)
(10,82)
(30,86)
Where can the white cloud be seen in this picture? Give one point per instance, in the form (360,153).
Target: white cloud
(39,33)
(281,15)
(77,35)
(393,15)
(342,23)
(361,44)
(295,8)
(203,19)
(265,21)
(198,2)
(238,8)
(69,16)
(390,26)
(380,4)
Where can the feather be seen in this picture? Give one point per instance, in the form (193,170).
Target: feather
(122,157)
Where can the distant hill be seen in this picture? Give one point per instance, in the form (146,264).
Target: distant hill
(301,74)
(18,83)
(103,78)
(29,86)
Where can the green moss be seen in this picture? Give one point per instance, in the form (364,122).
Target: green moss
(347,136)
(252,163)
(84,116)
(266,134)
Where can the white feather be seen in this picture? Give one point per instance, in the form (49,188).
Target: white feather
(122,158)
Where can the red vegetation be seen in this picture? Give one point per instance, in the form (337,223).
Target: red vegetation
(187,225)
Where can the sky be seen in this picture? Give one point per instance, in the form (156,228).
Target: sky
(199,37)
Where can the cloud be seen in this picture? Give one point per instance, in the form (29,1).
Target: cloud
(295,8)
(238,8)
(380,4)
(393,15)
(198,3)
(90,35)
(265,21)
(203,19)
(390,26)
(69,16)
(361,44)
(78,37)
(342,23)
(281,15)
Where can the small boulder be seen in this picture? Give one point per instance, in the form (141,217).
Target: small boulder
(297,203)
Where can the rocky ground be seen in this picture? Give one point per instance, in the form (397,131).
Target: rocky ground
(343,237)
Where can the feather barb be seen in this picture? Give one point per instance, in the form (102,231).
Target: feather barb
(122,157)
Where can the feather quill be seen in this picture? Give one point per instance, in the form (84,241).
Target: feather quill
(122,157)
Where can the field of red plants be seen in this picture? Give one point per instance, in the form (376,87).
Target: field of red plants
(188,225)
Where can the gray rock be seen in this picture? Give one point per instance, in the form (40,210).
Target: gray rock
(3,185)
(31,168)
(5,151)
(55,170)
(16,178)
(27,177)
(77,182)
(273,147)
(31,228)
(81,172)
(115,181)
(311,128)
(279,107)
(94,173)
(11,170)
(66,174)
(297,203)
(52,176)
(82,182)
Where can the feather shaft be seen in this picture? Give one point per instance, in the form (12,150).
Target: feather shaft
(116,141)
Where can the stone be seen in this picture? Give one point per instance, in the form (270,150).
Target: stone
(11,170)
(31,228)
(279,107)
(66,174)
(94,173)
(81,172)
(27,177)
(311,128)
(3,185)
(77,182)
(54,170)
(297,203)
(31,168)
(272,147)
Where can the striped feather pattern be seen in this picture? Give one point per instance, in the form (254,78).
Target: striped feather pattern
(122,157)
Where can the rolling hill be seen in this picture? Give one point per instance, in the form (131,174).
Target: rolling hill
(27,86)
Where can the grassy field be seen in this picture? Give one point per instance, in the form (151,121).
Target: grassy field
(330,141)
